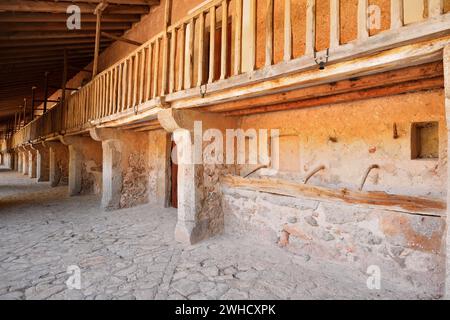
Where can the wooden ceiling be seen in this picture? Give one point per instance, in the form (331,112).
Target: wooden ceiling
(34,35)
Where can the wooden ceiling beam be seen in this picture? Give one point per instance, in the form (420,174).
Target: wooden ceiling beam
(61,7)
(36,60)
(43,50)
(62,17)
(124,2)
(60,26)
(43,43)
(50,53)
(42,35)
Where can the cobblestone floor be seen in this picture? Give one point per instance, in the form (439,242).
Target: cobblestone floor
(131,254)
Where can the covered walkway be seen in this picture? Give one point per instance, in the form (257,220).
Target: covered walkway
(132,254)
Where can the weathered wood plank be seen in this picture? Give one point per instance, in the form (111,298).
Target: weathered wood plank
(407,204)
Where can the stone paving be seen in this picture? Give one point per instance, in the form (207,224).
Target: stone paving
(131,254)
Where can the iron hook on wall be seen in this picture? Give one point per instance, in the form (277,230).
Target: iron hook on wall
(321,61)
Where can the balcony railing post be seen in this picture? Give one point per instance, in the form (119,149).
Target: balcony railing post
(363,32)
(212,43)
(334,24)
(287,31)
(237,36)
(396,14)
(435,8)
(310,38)
(224,44)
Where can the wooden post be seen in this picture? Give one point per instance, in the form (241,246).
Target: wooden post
(396,14)
(167,18)
(435,8)
(33,89)
(269,33)
(64,81)
(237,36)
(98,12)
(148,88)
(173,37)
(334,24)
(156,69)
(45,92)
(182,47)
(310,39)
(212,43)
(25,107)
(189,55)
(287,31)
(224,40)
(363,32)
(201,48)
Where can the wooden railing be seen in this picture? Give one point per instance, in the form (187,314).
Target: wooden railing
(201,49)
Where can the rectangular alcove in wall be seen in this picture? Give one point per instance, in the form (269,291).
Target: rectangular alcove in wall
(425,140)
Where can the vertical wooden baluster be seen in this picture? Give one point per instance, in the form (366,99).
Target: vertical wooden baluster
(334,24)
(212,43)
(142,76)
(363,32)
(252,36)
(396,14)
(164,62)
(156,69)
(201,48)
(165,49)
(269,33)
(435,8)
(148,84)
(310,40)
(135,79)
(181,58)
(224,41)
(173,37)
(237,36)
(119,88)
(115,75)
(111,92)
(130,83)
(189,55)
(124,85)
(287,31)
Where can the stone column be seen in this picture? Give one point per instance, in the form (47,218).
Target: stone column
(25,161)
(125,167)
(85,160)
(15,160)
(42,162)
(58,162)
(447,113)
(199,207)
(19,161)
(32,166)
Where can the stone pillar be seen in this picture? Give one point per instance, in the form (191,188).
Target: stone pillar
(25,161)
(42,162)
(14,160)
(32,166)
(125,167)
(19,161)
(58,155)
(446,60)
(200,213)
(85,161)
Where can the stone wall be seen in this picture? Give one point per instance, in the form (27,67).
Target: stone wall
(407,248)
(347,139)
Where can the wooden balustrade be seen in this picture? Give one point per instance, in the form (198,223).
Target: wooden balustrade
(196,51)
